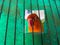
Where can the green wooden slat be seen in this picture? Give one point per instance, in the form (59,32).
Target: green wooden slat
(40,4)
(28,39)
(11,24)
(19,25)
(27,3)
(5,41)
(58,21)
(46,36)
(0,4)
(3,23)
(58,5)
(2,29)
(54,8)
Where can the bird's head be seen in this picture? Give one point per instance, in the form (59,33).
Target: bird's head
(32,18)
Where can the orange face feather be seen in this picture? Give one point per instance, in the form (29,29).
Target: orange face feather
(34,21)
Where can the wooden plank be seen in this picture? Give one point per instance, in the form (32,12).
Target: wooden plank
(19,26)
(3,22)
(11,23)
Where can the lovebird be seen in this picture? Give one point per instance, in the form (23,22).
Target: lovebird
(35,22)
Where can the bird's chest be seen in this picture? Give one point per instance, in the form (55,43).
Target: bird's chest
(35,27)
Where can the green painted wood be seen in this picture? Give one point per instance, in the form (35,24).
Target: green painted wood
(53,24)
